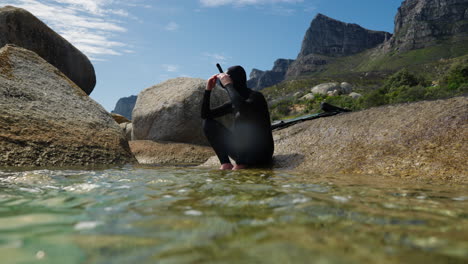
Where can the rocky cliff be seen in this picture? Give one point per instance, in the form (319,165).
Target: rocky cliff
(420,23)
(261,79)
(330,37)
(125,106)
(326,38)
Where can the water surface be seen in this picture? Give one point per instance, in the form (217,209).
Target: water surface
(192,215)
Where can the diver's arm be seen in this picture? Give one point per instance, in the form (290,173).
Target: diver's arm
(206,112)
(236,98)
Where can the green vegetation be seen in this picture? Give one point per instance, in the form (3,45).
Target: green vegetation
(401,87)
(425,59)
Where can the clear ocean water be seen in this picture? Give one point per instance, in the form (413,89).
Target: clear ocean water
(192,215)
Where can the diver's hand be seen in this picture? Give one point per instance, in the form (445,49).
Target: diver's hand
(211,82)
(224,79)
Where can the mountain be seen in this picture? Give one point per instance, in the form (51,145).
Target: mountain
(422,23)
(427,34)
(261,79)
(125,106)
(329,37)
(325,39)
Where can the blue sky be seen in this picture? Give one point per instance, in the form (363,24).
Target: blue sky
(134,44)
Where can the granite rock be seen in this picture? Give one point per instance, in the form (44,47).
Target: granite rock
(355,95)
(325,88)
(170,111)
(21,28)
(47,120)
(169,153)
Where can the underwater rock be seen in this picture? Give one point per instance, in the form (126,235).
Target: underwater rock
(47,120)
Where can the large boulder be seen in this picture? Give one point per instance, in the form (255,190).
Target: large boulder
(325,88)
(170,111)
(420,140)
(46,120)
(424,140)
(21,28)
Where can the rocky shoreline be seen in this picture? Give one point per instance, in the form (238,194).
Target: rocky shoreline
(47,120)
(423,140)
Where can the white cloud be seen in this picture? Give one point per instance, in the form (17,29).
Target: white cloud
(170,67)
(216,57)
(90,25)
(215,3)
(172,26)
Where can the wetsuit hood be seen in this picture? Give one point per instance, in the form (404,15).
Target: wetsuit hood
(239,78)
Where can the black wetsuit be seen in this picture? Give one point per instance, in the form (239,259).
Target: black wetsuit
(250,141)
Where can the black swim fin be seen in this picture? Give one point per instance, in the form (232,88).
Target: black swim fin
(328,108)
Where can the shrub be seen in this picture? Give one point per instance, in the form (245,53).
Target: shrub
(456,79)
(401,87)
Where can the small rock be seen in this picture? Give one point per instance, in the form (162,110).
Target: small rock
(119,118)
(346,88)
(333,93)
(309,96)
(355,95)
(127,129)
(297,94)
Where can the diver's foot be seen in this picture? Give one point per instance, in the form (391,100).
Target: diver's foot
(239,167)
(226,166)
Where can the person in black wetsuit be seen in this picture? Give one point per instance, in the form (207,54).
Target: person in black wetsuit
(250,141)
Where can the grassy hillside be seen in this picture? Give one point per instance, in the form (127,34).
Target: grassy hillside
(435,72)
(426,59)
